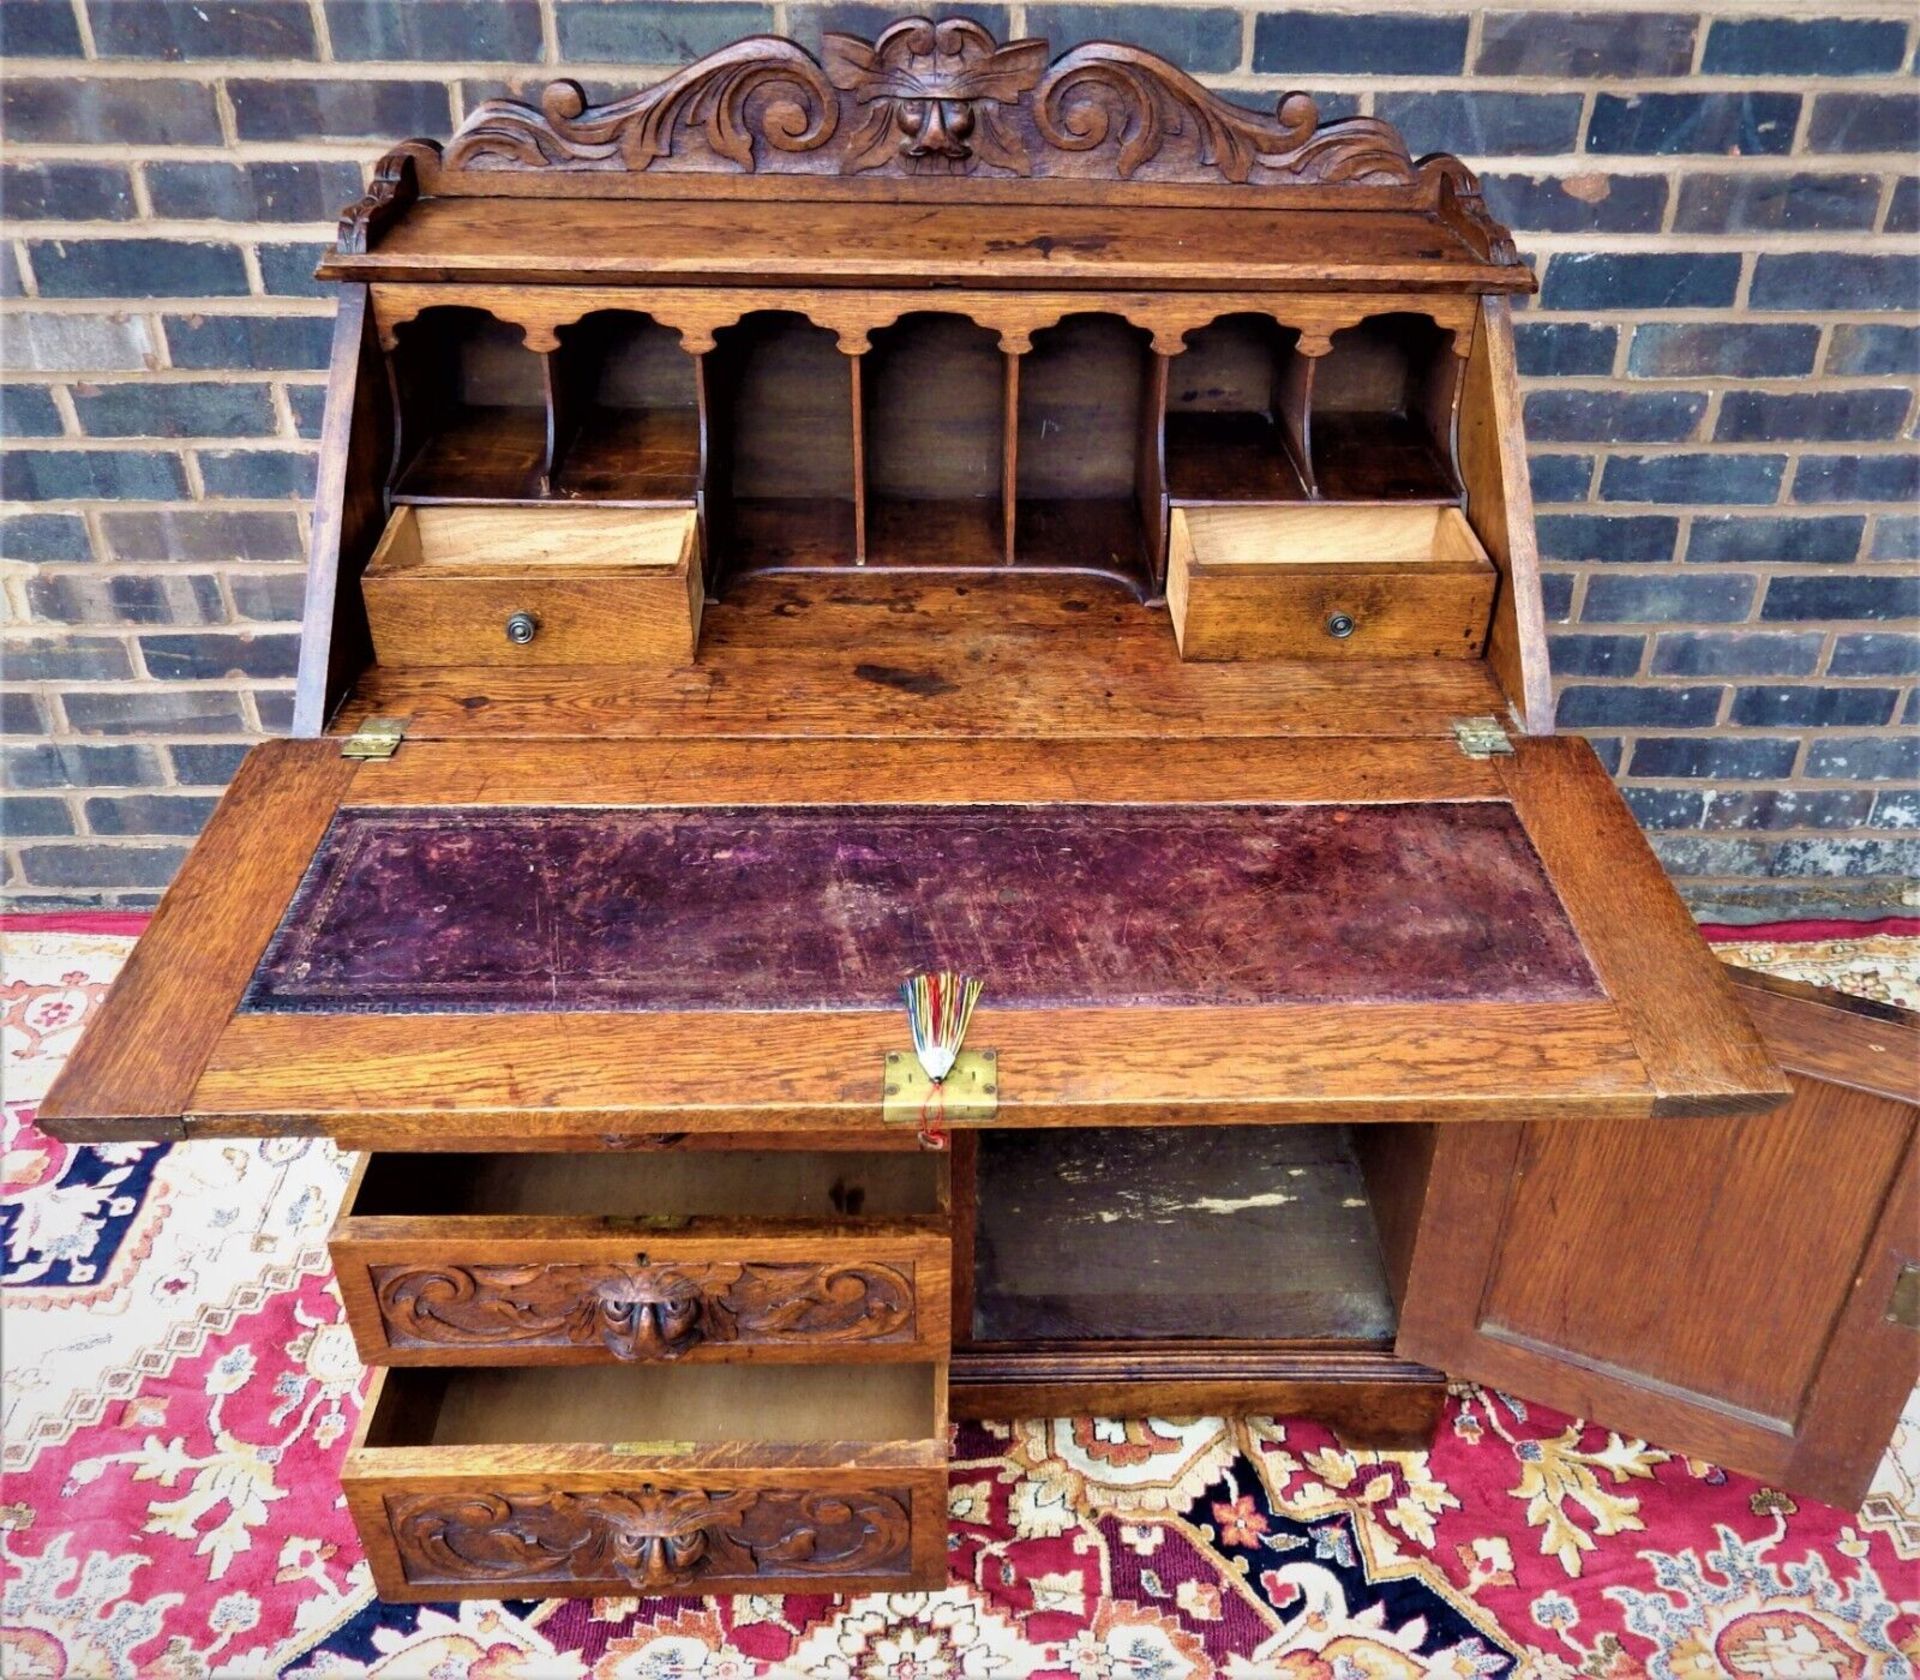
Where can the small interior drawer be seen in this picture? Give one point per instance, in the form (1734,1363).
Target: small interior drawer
(584,1259)
(561,585)
(1314,581)
(668,1479)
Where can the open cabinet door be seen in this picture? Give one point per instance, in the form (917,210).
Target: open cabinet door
(1742,1290)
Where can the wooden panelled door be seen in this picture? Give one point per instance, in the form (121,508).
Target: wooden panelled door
(1739,1289)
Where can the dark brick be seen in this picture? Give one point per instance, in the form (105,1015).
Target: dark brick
(1595,656)
(258,473)
(1857,478)
(1333,107)
(99,597)
(252,192)
(1578,203)
(275,706)
(138,268)
(1894,808)
(1713,758)
(1583,44)
(1607,749)
(44,536)
(1876,653)
(205,766)
(287,271)
(1693,478)
(214,654)
(1864,758)
(1476,123)
(1716,124)
(1560,478)
(653,31)
(85,111)
(1764,539)
(1336,43)
(309,405)
(301,342)
(153,711)
(50,764)
(1861,855)
(367,109)
(1828,416)
(66,192)
(1776,808)
(1556,596)
(67,659)
(1613,416)
(275,598)
(12,283)
(27,411)
(21,713)
(204,29)
(1634,705)
(48,475)
(110,865)
(32,818)
(806,23)
(41,341)
(217,534)
(1903,206)
(1731,653)
(1656,807)
(1201,39)
(1771,46)
(464,30)
(193,409)
(1641,280)
(1544,349)
(1812,705)
(1764,203)
(1858,349)
(1835,280)
(1742,349)
(40,29)
(148,813)
(1896,537)
(1865,122)
(1840,595)
(1666,598)
(1635,539)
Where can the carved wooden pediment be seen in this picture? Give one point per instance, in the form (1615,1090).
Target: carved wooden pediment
(932,100)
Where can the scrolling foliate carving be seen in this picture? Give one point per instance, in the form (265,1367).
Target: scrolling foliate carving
(937,99)
(656,1540)
(642,1312)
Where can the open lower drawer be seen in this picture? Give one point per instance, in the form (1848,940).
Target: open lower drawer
(551,944)
(582,1259)
(664,1479)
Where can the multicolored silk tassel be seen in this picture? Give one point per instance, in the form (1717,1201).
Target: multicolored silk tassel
(939,1006)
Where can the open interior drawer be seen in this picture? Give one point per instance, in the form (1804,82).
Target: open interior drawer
(663,1479)
(540,944)
(583,1259)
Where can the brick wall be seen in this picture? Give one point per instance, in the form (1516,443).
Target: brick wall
(1720,372)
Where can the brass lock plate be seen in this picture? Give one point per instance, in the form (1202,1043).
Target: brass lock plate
(969,1093)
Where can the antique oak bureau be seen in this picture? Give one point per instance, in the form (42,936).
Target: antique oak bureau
(930,505)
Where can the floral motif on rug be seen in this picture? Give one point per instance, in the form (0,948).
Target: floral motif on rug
(179,1390)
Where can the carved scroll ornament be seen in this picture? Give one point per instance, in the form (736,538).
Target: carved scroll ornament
(642,1312)
(934,99)
(657,1540)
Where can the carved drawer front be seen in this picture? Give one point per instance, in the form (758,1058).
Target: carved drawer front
(676,1479)
(504,1260)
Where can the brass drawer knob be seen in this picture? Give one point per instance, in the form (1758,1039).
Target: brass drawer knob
(521,628)
(1340,625)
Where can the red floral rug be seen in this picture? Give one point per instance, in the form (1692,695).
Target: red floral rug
(179,1390)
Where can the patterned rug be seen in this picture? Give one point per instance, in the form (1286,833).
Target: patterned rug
(179,1390)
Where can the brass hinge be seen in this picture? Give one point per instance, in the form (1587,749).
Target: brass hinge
(1904,1307)
(378,737)
(1482,737)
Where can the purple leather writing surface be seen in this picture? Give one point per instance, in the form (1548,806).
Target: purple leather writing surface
(416,911)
